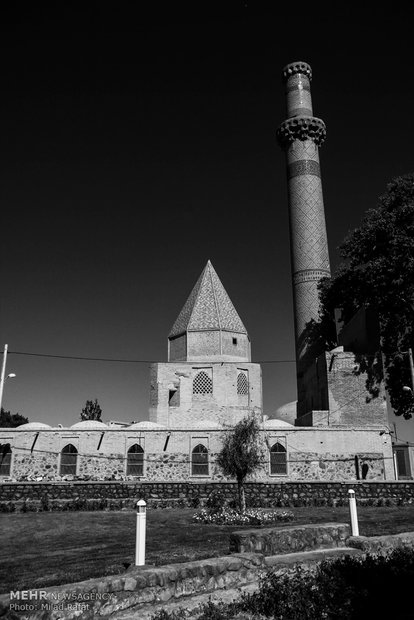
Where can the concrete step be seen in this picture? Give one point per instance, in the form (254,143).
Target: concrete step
(189,606)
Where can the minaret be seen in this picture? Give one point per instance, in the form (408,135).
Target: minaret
(300,135)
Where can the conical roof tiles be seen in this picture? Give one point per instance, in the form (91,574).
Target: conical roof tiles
(208,307)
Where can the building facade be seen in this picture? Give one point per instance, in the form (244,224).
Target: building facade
(209,382)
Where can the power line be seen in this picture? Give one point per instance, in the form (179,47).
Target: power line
(137,361)
(164,457)
(129,361)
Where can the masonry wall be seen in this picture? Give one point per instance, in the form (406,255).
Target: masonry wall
(338,394)
(311,454)
(223,406)
(194,494)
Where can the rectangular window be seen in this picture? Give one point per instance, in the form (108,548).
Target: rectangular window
(174,398)
(5,458)
(403,463)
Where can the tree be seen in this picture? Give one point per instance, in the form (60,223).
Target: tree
(377,273)
(241,454)
(11,420)
(91,411)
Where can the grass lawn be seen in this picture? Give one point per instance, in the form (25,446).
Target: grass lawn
(51,548)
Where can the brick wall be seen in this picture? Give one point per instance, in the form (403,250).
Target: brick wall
(223,406)
(337,395)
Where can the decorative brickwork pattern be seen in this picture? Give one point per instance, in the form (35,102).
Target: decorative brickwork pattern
(300,135)
(208,307)
(304,166)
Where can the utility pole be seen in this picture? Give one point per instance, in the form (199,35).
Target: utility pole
(410,357)
(3,373)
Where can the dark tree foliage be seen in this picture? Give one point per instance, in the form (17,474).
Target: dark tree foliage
(91,411)
(377,273)
(241,454)
(11,420)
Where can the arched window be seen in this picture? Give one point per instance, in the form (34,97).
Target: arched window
(202,383)
(5,459)
(68,458)
(199,461)
(278,460)
(242,384)
(135,461)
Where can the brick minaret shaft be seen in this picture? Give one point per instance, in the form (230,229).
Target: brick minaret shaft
(300,135)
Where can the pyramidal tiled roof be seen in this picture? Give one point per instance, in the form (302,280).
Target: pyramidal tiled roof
(208,307)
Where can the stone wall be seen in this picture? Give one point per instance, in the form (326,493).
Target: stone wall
(314,453)
(381,545)
(275,541)
(164,495)
(139,587)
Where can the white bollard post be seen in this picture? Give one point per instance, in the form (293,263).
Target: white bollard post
(353,513)
(141,527)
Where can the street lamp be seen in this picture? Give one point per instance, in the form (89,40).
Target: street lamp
(3,378)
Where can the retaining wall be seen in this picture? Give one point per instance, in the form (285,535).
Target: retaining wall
(274,541)
(138,587)
(168,494)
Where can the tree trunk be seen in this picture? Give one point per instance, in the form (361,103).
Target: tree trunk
(242,498)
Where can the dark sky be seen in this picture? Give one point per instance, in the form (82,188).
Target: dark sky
(138,144)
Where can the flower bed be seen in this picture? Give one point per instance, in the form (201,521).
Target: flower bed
(229,516)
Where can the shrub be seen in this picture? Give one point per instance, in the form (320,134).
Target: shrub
(44,503)
(216,501)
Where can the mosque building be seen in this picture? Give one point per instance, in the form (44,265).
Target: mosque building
(209,382)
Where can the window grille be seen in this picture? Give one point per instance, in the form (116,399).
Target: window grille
(5,459)
(202,383)
(199,461)
(68,460)
(278,460)
(242,384)
(135,461)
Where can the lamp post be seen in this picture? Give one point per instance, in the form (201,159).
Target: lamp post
(353,513)
(141,525)
(3,374)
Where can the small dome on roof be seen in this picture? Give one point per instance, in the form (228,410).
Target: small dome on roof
(34,426)
(277,424)
(146,424)
(286,412)
(89,424)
